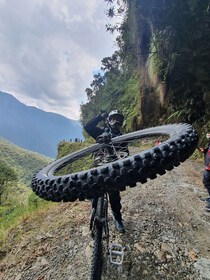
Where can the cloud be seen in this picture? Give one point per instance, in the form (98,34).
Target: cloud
(49,49)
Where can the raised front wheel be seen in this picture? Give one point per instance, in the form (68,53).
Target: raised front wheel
(69,179)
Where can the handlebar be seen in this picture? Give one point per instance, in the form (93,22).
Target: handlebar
(104,138)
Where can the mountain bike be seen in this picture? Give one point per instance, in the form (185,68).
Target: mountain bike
(69,178)
(99,213)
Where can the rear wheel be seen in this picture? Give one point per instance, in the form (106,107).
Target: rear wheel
(96,263)
(178,143)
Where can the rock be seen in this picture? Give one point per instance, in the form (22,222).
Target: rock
(44,262)
(71,243)
(85,231)
(140,248)
(166,247)
(203,265)
(161,255)
(88,253)
(18,277)
(192,255)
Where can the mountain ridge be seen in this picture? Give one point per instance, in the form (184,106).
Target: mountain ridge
(25,162)
(34,129)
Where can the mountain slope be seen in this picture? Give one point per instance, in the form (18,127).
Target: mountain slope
(34,129)
(160,71)
(26,163)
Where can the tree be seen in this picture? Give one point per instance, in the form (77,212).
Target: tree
(89,93)
(7,175)
(111,63)
(116,8)
(98,81)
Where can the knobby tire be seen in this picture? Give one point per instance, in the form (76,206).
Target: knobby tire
(96,263)
(117,175)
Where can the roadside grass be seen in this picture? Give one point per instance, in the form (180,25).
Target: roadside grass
(13,215)
(20,204)
(197,155)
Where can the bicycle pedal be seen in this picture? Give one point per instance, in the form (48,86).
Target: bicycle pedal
(116,254)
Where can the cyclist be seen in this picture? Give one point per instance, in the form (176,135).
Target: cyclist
(206,173)
(114,123)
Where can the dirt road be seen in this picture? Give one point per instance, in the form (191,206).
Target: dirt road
(167,235)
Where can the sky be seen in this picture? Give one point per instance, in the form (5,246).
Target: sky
(49,50)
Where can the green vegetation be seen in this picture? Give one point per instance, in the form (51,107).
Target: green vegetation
(10,214)
(65,148)
(160,71)
(17,201)
(17,168)
(7,178)
(24,162)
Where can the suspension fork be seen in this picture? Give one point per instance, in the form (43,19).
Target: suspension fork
(94,219)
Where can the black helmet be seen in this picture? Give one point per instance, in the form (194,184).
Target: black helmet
(115,119)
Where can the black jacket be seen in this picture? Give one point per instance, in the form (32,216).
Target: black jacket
(93,130)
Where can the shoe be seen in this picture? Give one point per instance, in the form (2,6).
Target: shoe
(119,226)
(207,199)
(207,207)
